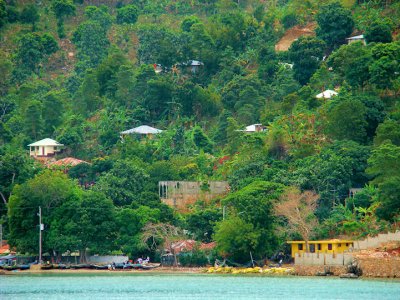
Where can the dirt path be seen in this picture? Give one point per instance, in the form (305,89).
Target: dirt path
(293,34)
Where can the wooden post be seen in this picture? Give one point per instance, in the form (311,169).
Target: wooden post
(40,235)
(252,261)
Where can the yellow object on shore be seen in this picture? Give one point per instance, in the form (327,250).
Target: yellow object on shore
(255,270)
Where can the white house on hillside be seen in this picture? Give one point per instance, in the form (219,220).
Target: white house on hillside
(143,130)
(254,128)
(357,38)
(44,148)
(328,94)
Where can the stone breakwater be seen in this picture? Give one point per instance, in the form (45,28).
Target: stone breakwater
(374,267)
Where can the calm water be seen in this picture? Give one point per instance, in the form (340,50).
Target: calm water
(163,286)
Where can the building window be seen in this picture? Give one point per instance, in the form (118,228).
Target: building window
(329,246)
(347,244)
(312,248)
(300,246)
(319,247)
(339,245)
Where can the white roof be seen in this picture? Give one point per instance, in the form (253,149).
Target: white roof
(252,128)
(196,63)
(327,94)
(144,129)
(357,37)
(46,142)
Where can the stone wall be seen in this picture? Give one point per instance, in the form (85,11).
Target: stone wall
(384,267)
(181,194)
(323,259)
(303,270)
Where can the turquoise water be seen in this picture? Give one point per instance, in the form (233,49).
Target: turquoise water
(165,286)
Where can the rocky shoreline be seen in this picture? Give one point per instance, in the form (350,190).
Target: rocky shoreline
(378,268)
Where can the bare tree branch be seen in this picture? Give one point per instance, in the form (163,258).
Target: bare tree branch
(4,198)
(298,208)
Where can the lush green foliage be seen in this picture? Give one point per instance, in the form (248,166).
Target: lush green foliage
(127,14)
(201,71)
(335,23)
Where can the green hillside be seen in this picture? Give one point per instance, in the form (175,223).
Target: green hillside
(81,72)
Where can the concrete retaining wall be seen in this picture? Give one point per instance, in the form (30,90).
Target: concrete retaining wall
(374,242)
(108,259)
(181,194)
(323,259)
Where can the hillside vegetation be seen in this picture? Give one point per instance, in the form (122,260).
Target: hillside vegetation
(80,72)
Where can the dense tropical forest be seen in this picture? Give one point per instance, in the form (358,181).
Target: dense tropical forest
(80,72)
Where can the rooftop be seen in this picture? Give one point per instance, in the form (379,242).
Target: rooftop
(144,129)
(327,94)
(332,241)
(68,161)
(45,142)
(357,37)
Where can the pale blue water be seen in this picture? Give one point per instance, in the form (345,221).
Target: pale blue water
(164,286)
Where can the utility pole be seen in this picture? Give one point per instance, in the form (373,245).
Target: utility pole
(40,235)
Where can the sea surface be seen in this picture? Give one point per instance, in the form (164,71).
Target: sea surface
(192,286)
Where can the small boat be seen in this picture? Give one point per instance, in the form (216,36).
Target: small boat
(80,266)
(349,276)
(61,267)
(24,267)
(10,268)
(149,267)
(47,267)
(100,267)
(119,266)
(134,266)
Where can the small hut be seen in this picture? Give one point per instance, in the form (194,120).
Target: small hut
(254,128)
(357,38)
(44,148)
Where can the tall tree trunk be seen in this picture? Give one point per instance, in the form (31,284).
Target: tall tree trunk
(83,256)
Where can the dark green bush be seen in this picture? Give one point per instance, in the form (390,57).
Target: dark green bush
(289,20)
(195,258)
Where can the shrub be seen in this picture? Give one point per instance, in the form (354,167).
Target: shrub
(195,258)
(289,20)
(127,14)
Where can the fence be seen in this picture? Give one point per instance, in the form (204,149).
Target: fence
(323,259)
(374,242)
(95,259)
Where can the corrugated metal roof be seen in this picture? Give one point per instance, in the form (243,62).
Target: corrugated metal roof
(68,161)
(144,129)
(46,142)
(189,245)
(357,37)
(327,94)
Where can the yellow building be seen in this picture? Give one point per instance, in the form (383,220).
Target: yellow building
(328,246)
